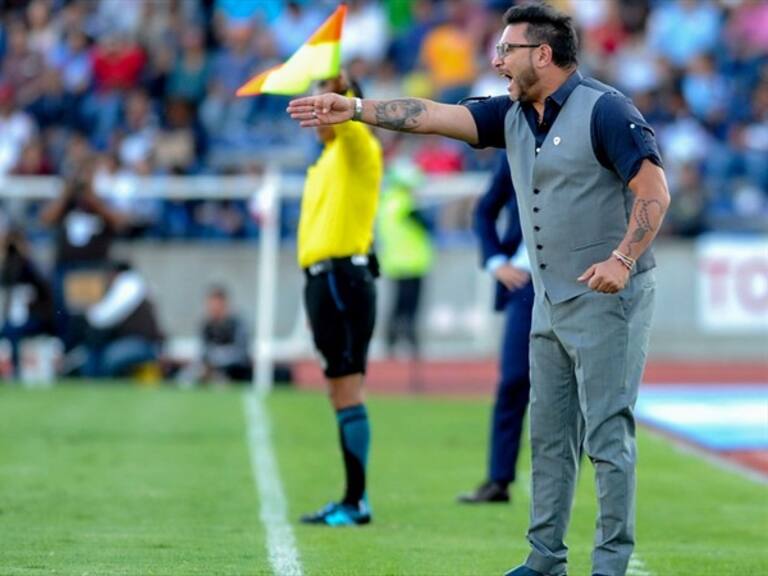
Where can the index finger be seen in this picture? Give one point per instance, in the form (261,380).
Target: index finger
(300,103)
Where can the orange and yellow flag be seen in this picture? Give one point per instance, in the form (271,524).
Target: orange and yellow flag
(318,58)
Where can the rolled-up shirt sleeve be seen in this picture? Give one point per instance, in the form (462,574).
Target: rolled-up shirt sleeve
(489,116)
(621,137)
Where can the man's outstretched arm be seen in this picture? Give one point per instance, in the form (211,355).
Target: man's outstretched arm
(416,115)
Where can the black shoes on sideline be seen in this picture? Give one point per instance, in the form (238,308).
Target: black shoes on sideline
(487,493)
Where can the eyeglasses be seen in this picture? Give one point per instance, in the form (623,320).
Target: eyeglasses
(504,48)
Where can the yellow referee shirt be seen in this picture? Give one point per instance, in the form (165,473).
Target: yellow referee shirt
(341,194)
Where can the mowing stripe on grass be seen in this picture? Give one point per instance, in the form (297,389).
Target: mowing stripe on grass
(281,543)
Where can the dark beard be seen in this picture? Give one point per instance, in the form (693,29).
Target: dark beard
(525,81)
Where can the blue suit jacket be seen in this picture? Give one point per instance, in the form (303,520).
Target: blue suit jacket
(500,194)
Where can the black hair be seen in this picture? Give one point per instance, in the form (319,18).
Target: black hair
(218,291)
(120,266)
(547,26)
(354,85)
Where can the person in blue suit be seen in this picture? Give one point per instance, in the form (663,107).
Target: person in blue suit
(506,259)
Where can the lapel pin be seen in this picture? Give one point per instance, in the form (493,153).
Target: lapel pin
(557,140)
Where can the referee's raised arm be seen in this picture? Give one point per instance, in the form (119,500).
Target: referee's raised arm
(416,115)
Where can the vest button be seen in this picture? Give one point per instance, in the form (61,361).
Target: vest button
(537,228)
(539,246)
(535,208)
(536,190)
(542,266)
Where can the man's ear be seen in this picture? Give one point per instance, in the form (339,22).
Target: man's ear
(544,55)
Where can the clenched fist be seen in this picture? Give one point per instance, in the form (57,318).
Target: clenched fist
(609,276)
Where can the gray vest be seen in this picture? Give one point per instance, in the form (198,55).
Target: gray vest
(573,211)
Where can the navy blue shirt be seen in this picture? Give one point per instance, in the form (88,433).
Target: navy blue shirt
(621,138)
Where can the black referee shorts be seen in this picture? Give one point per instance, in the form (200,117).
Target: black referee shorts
(340,299)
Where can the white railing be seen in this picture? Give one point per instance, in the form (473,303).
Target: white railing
(451,186)
(264,191)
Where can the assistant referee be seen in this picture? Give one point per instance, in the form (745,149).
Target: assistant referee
(334,249)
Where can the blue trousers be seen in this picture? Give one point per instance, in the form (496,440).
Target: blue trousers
(513,389)
(118,357)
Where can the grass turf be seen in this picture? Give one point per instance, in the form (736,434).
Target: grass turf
(120,480)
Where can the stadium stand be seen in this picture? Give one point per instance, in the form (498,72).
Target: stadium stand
(148,88)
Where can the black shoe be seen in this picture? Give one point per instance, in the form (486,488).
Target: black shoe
(486,493)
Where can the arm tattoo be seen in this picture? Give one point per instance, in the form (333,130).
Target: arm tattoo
(399,114)
(644,212)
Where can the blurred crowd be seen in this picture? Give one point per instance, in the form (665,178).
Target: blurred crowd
(147,88)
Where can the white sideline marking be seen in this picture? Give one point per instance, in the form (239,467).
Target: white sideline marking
(637,567)
(720,462)
(281,543)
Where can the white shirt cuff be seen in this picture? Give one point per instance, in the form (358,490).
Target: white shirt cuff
(495,262)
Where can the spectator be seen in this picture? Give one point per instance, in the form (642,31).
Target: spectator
(749,27)
(139,130)
(76,154)
(405,252)
(118,15)
(682,30)
(52,107)
(237,12)
(235,63)
(27,308)
(21,66)
(225,356)
(119,186)
(686,216)
(189,77)
(705,91)
(223,115)
(634,67)
(158,71)
(84,228)
(293,26)
(16,130)
(179,144)
(448,55)
(365,32)
(118,62)
(73,61)
(217,220)
(33,161)
(122,331)
(43,32)
(406,46)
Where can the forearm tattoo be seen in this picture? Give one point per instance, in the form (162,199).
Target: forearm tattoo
(401,114)
(647,215)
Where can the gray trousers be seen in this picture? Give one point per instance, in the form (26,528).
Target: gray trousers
(587,358)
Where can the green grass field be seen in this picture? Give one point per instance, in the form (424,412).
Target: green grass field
(123,480)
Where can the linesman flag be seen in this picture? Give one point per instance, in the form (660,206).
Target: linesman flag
(317,59)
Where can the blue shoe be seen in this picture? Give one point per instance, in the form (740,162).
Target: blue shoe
(338,514)
(523,571)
